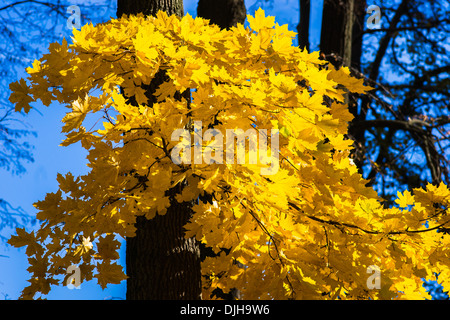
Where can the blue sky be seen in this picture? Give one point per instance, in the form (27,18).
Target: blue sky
(51,159)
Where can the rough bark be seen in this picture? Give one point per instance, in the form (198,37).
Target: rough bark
(160,262)
(149,7)
(224,13)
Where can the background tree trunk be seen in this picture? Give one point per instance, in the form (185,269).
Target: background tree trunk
(160,262)
(224,13)
(150,7)
(341,42)
(333,28)
(303,26)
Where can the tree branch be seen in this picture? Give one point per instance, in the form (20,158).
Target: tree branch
(50,5)
(412,125)
(374,68)
(352,226)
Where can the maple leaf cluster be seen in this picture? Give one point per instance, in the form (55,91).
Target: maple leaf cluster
(308,231)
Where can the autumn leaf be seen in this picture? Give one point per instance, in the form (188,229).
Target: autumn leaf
(20,96)
(260,21)
(74,119)
(342,76)
(404,200)
(23,239)
(109,273)
(107,247)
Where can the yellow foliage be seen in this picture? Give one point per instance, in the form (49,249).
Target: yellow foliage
(308,231)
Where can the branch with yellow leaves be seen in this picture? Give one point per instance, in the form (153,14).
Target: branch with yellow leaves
(341,225)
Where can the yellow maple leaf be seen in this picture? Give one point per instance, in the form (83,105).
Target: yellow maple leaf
(74,119)
(107,247)
(405,199)
(342,76)
(260,21)
(282,45)
(20,95)
(109,273)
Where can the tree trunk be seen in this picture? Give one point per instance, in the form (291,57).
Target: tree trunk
(348,32)
(332,32)
(150,7)
(160,263)
(224,13)
(303,26)
(355,62)
(341,42)
(357,33)
(337,28)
